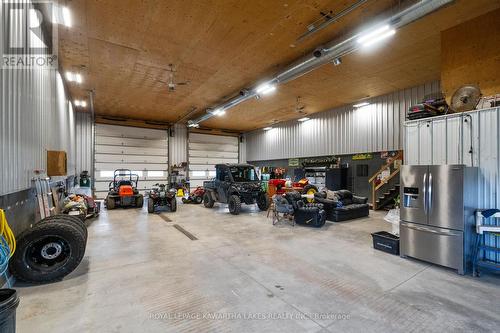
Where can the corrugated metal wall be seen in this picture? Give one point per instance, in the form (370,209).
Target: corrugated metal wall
(35,117)
(178,145)
(84,141)
(448,140)
(243,151)
(343,130)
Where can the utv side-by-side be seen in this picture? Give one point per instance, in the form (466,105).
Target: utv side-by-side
(123,190)
(235,184)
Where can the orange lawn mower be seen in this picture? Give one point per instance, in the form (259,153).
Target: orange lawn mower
(123,190)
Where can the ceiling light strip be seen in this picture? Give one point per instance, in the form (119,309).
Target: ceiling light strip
(335,49)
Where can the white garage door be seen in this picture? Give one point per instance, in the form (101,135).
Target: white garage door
(144,151)
(205,151)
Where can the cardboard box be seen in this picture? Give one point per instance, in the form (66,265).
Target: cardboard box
(56,163)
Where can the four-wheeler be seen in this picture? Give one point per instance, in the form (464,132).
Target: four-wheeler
(195,197)
(159,196)
(234,184)
(123,190)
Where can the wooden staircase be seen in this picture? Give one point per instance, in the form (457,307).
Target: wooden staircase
(388,197)
(380,184)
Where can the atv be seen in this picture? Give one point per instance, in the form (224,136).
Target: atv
(123,190)
(195,197)
(160,197)
(234,184)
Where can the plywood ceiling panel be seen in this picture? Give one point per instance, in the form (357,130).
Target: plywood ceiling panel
(123,49)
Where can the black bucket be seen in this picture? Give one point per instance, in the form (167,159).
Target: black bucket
(8,305)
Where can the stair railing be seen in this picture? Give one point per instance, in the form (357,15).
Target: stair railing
(378,183)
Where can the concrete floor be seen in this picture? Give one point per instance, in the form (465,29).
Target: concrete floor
(140,274)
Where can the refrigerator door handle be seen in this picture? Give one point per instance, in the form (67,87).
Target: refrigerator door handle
(430,193)
(442,233)
(425,192)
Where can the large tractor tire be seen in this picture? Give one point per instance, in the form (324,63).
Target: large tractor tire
(234,204)
(208,202)
(263,201)
(47,252)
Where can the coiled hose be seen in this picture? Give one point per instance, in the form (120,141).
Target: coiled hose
(7,245)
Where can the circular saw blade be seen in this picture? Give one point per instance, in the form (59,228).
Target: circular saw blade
(465,98)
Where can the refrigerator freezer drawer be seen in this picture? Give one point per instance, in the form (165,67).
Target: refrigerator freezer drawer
(436,245)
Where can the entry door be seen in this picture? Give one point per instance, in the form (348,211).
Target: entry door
(446,184)
(414,180)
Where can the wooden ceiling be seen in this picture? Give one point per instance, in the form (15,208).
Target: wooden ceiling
(123,49)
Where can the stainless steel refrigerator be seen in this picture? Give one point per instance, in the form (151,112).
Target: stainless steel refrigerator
(437,214)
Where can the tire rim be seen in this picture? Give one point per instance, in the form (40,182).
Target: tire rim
(51,250)
(311,191)
(48,253)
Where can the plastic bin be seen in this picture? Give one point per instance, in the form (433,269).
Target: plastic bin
(8,305)
(386,242)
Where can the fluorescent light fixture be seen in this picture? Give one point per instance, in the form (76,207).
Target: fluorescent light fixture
(265,89)
(66,15)
(194,125)
(74,77)
(267,128)
(81,104)
(70,76)
(219,112)
(376,35)
(303,119)
(360,105)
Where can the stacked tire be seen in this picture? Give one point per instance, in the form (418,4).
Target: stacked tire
(50,250)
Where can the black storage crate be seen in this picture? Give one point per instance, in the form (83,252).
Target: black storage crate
(386,242)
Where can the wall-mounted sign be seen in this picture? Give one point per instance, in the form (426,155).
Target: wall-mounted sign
(318,161)
(359,157)
(293,162)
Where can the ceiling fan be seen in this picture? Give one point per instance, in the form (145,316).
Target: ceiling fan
(172,84)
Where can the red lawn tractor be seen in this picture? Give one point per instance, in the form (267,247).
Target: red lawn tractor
(301,186)
(123,190)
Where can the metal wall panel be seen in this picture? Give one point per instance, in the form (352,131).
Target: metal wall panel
(35,117)
(450,140)
(243,151)
(178,145)
(343,130)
